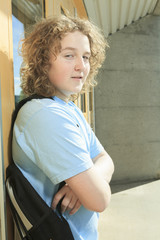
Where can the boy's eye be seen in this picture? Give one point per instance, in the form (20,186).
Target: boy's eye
(69,56)
(86,58)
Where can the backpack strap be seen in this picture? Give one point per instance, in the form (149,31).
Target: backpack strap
(14,116)
(21,103)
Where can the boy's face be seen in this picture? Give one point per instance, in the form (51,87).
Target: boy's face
(70,69)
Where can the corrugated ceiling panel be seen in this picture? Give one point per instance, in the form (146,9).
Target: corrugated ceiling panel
(104,20)
(29,9)
(139,10)
(153,4)
(132,11)
(112,15)
(124,9)
(108,16)
(113,12)
(146,7)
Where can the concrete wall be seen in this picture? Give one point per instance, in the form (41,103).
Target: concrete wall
(127,101)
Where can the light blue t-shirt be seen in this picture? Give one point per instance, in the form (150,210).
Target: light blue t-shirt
(52,142)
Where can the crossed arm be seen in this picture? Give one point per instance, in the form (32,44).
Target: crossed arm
(89,188)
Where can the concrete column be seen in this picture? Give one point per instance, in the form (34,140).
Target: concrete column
(127,101)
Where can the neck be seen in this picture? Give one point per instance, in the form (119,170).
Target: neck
(63,95)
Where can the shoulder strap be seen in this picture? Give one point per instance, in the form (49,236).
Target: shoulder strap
(21,103)
(18,107)
(14,116)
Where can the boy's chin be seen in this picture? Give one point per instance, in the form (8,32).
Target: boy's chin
(69,93)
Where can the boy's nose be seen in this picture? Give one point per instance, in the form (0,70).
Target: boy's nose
(79,65)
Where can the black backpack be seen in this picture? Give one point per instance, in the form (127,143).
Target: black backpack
(34,219)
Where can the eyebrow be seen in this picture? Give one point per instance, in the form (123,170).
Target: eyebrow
(74,49)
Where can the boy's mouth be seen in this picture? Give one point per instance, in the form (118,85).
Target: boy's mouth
(77,77)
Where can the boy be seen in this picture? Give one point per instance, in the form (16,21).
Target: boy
(52,142)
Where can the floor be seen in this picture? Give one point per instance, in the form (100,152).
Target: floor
(133,214)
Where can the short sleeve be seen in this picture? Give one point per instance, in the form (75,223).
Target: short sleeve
(95,145)
(53,141)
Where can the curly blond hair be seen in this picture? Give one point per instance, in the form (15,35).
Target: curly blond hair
(44,40)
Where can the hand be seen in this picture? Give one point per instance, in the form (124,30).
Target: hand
(70,201)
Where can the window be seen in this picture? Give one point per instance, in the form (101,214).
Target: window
(83,102)
(24,15)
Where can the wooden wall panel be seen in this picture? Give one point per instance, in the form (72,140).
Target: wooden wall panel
(7,92)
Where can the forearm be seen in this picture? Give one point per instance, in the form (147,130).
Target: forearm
(90,187)
(104,165)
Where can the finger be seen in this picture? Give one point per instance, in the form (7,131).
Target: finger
(68,202)
(75,208)
(65,203)
(72,203)
(58,196)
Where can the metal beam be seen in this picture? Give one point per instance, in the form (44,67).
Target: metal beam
(157,9)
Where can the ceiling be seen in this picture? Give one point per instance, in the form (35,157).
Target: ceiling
(109,15)
(113,15)
(30,9)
